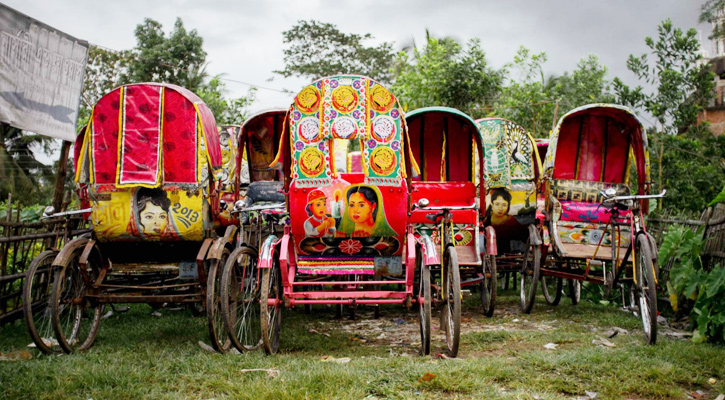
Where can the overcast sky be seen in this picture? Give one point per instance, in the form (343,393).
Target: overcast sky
(243,39)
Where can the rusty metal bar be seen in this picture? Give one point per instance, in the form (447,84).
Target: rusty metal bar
(177,298)
(180,285)
(10,278)
(13,239)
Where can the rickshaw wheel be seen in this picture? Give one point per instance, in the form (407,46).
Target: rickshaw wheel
(530,269)
(75,317)
(424,310)
(37,291)
(218,333)
(240,299)
(610,270)
(271,316)
(488,285)
(552,288)
(575,291)
(451,315)
(646,289)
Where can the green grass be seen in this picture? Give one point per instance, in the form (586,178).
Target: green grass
(137,355)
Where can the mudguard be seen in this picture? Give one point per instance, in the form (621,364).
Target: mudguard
(217,247)
(428,249)
(491,244)
(534,236)
(63,257)
(266,253)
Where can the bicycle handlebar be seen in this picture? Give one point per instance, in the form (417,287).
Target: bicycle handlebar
(278,206)
(473,206)
(66,213)
(634,197)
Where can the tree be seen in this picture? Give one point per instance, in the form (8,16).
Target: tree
(179,59)
(21,173)
(693,170)
(586,84)
(683,86)
(444,73)
(535,102)
(104,72)
(710,12)
(528,100)
(316,49)
(226,111)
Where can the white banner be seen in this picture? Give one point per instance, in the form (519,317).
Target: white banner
(41,76)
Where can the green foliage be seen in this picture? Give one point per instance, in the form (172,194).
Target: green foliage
(693,170)
(31,213)
(23,175)
(316,49)
(683,85)
(103,73)
(692,288)
(226,111)
(178,59)
(444,73)
(531,100)
(709,12)
(720,198)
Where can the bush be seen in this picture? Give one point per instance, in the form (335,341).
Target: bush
(692,288)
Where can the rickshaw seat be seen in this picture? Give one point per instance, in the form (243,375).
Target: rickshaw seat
(445,193)
(268,191)
(581,221)
(442,194)
(459,216)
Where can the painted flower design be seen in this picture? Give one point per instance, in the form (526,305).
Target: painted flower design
(356,114)
(296,115)
(350,246)
(356,84)
(333,84)
(589,216)
(395,145)
(594,236)
(299,145)
(321,146)
(333,113)
(372,144)
(394,113)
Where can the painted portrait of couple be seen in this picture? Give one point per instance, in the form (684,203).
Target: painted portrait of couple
(359,214)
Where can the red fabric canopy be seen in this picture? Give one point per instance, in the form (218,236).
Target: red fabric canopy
(147,134)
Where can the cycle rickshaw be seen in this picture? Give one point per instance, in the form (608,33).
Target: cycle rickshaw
(449,150)
(596,226)
(513,172)
(259,213)
(151,167)
(348,233)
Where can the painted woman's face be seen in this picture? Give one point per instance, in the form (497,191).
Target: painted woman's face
(359,209)
(153,219)
(319,207)
(500,206)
